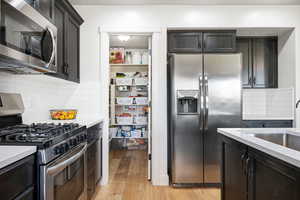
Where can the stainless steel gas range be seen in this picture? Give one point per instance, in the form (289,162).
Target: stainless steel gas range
(61,155)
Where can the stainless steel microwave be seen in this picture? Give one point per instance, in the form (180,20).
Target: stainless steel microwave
(28,40)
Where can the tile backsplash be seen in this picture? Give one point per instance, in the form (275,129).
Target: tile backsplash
(41,93)
(269,104)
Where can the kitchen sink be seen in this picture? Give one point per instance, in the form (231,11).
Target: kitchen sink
(284,139)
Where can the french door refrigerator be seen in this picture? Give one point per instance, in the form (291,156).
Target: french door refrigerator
(204,94)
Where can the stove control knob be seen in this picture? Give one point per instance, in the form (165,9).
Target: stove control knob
(66,147)
(83,138)
(73,142)
(56,150)
(61,149)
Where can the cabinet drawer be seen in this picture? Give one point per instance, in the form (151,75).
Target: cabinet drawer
(267,124)
(17,178)
(29,194)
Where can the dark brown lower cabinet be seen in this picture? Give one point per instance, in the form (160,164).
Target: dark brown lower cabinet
(18,180)
(249,174)
(234,179)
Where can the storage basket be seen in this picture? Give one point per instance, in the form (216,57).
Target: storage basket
(141,100)
(141,120)
(123,81)
(124,120)
(141,81)
(124,100)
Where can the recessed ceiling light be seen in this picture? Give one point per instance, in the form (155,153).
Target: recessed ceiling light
(124,38)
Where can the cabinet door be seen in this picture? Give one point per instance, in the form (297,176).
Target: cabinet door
(272,179)
(244,47)
(185,42)
(16,178)
(45,7)
(219,42)
(233,170)
(265,63)
(60,18)
(73,50)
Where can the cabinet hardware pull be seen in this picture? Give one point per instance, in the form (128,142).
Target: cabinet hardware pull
(66,69)
(298,103)
(243,163)
(254,80)
(247,166)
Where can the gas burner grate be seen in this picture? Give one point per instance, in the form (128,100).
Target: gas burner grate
(35,133)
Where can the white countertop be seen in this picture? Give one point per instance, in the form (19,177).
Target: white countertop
(87,121)
(11,154)
(245,135)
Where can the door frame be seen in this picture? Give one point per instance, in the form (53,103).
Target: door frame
(159,104)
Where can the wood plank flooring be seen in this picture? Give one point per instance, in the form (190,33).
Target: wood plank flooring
(128,181)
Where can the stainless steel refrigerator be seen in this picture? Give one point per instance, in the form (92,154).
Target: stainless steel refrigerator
(204,94)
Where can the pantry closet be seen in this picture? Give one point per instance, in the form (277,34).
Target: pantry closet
(130,96)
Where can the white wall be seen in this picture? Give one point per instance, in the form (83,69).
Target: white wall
(188,17)
(286,59)
(41,93)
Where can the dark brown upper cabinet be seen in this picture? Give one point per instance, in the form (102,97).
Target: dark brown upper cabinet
(219,42)
(68,22)
(185,42)
(45,7)
(260,68)
(201,42)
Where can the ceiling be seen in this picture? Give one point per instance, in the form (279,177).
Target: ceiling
(185,2)
(135,42)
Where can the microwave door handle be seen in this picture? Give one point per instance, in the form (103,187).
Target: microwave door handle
(53,48)
(56,168)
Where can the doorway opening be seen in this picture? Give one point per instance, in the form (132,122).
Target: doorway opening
(130,107)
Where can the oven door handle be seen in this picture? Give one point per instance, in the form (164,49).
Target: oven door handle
(53,48)
(60,166)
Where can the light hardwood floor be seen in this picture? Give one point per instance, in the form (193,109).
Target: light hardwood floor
(128,181)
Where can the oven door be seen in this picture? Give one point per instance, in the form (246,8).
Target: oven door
(65,178)
(27,38)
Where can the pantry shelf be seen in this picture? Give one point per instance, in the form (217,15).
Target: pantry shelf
(124,65)
(131,104)
(115,137)
(115,124)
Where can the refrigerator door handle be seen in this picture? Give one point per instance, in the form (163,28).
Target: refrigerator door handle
(201,103)
(201,93)
(206,102)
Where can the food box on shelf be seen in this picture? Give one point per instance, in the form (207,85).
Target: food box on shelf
(116,55)
(121,120)
(123,81)
(124,100)
(141,120)
(141,100)
(141,81)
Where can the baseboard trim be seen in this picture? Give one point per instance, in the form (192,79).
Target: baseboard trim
(162,180)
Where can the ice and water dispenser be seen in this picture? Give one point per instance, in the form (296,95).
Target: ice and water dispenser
(188,102)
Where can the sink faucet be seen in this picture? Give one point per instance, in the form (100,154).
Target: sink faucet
(298,103)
